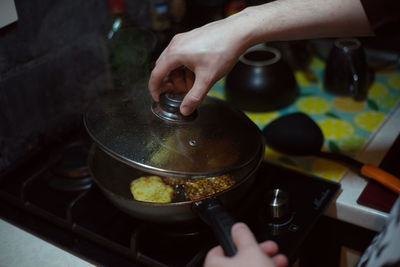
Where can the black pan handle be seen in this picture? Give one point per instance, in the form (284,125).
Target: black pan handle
(214,214)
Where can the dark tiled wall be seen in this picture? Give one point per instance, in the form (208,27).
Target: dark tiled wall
(51,66)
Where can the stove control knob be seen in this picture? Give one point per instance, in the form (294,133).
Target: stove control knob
(278,209)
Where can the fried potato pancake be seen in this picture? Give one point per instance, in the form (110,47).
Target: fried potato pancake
(203,187)
(151,189)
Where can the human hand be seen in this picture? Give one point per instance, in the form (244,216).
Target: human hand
(249,252)
(195,60)
(209,52)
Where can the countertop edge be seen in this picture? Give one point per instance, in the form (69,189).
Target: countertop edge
(345,206)
(15,240)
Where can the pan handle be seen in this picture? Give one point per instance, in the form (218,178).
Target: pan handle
(214,214)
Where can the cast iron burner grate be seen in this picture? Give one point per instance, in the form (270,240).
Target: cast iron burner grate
(189,247)
(81,220)
(70,169)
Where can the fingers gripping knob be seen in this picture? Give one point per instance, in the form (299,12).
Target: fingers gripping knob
(168,108)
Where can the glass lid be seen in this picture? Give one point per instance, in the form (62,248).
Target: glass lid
(156,138)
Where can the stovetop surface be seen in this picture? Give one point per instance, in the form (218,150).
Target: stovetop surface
(76,216)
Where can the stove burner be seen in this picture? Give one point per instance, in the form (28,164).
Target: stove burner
(172,247)
(276,228)
(180,230)
(71,169)
(67,184)
(73,161)
(278,213)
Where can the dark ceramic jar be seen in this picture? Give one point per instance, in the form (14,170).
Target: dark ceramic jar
(261,81)
(346,71)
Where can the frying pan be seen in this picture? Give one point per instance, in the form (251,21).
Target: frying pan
(135,136)
(114,177)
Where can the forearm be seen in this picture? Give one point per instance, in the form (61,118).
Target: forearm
(302,19)
(209,52)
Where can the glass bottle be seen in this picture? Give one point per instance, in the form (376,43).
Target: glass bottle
(128,48)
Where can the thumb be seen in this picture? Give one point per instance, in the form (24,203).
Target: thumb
(242,236)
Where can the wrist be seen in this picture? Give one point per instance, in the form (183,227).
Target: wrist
(243,29)
(257,24)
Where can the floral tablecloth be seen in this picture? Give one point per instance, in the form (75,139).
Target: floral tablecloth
(346,124)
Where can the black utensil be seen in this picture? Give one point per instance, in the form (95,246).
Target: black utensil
(297,134)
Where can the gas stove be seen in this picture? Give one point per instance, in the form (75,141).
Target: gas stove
(50,193)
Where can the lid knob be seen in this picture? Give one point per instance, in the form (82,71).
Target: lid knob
(168,108)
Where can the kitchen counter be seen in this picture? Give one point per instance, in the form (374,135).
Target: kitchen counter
(345,207)
(364,130)
(19,248)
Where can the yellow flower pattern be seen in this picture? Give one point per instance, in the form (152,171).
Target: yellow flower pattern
(335,129)
(388,101)
(263,118)
(313,105)
(317,64)
(352,144)
(301,79)
(328,169)
(305,78)
(271,154)
(377,90)
(369,120)
(394,81)
(347,125)
(216,94)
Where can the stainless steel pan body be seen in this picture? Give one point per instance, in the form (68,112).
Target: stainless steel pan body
(114,177)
